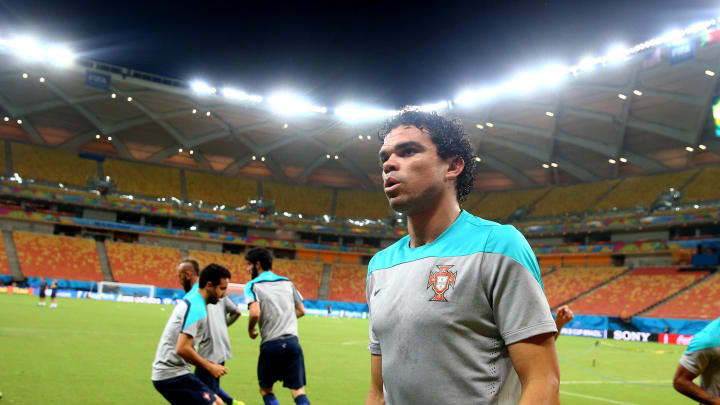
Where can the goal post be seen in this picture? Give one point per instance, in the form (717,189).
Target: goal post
(135,290)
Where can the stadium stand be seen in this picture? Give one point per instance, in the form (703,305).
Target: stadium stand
(140,264)
(643,190)
(571,199)
(635,291)
(703,187)
(499,206)
(347,283)
(700,302)
(361,205)
(4,265)
(299,199)
(234,263)
(59,257)
(220,190)
(305,275)
(51,166)
(142,179)
(567,283)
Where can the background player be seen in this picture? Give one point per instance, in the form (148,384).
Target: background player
(216,346)
(702,358)
(562,317)
(275,304)
(459,301)
(43,287)
(53,294)
(171,369)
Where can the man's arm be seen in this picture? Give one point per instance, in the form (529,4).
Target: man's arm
(232,317)
(232,312)
(254,308)
(184,349)
(299,310)
(535,362)
(375,393)
(683,383)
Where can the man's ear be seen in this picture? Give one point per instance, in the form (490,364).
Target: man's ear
(455,168)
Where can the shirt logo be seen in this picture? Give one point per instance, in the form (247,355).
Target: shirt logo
(206,396)
(441,281)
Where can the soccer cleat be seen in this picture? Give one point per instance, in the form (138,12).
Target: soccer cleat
(237,402)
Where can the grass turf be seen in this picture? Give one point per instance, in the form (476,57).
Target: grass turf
(98,352)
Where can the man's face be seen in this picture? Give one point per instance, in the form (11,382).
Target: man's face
(413,173)
(252,269)
(185,276)
(216,293)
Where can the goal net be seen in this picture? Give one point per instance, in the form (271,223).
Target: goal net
(133,290)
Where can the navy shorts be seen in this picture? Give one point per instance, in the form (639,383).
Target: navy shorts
(281,360)
(42,292)
(186,389)
(207,378)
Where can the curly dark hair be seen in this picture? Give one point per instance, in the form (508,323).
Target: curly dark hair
(449,137)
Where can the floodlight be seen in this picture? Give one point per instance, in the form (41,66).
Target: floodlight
(289,104)
(60,56)
(201,87)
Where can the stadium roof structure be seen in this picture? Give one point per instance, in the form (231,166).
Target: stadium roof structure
(648,113)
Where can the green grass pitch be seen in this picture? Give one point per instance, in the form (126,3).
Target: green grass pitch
(94,352)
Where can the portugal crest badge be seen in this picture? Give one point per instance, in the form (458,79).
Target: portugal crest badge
(440,281)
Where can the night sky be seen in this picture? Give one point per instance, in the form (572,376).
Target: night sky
(386,54)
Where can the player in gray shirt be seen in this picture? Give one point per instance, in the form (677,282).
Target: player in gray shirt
(457,308)
(275,304)
(702,358)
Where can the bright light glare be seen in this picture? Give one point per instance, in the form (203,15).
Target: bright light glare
(352,113)
(60,56)
(27,48)
(617,54)
(440,105)
(235,94)
(285,103)
(470,97)
(554,74)
(522,83)
(201,87)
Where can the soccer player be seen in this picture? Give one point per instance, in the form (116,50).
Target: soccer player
(216,345)
(43,287)
(53,294)
(702,358)
(171,374)
(562,317)
(275,304)
(457,306)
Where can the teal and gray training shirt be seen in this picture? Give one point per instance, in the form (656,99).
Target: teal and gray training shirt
(278,298)
(442,315)
(702,357)
(188,317)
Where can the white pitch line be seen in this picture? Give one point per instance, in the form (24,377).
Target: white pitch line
(572,394)
(595,382)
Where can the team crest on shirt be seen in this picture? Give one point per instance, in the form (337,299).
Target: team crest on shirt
(206,396)
(440,281)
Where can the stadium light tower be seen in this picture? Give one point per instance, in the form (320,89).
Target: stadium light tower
(290,104)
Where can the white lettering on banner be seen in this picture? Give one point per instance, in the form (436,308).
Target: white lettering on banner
(684,340)
(631,336)
(600,334)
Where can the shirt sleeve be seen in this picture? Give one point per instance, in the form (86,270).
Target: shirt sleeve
(229,305)
(696,362)
(374,344)
(249,293)
(513,287)
(296,296)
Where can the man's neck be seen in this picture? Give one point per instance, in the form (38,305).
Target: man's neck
(425,226)
(203,293)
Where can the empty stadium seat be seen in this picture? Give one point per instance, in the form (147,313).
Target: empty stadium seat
(52,166)
(635,291)
(143,179)
(4,265)
(305,275)
(700,302)
(643,190)
(703,187)
(60,257)
(140,264)
(567,283)
(500,205)
(220,190)
(347,283)
(571,199)
(361,205)
(304,200)
(234,263)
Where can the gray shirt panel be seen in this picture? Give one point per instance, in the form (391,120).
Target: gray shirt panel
(459,344)
(216,346)
(277,300)
(168,363)
(706,364)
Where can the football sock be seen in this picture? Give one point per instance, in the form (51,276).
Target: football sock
(270,399)
(225,397)
(302,399)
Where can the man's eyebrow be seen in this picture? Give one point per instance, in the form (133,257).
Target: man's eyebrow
(404,145)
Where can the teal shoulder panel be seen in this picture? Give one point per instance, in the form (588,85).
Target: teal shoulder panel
(508,241)
(192,290)
(196,308)
(707,338)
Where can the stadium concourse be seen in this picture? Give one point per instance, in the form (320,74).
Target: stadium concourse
(112,174)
